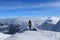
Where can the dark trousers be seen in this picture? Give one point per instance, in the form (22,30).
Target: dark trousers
(29,26)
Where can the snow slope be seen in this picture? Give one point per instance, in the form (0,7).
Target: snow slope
(36,35)
(4,36)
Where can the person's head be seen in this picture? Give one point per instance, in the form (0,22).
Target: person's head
(29,20)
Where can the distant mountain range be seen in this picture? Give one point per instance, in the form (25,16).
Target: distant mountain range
(43,23)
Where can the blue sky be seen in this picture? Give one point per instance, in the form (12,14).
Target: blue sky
(29,8)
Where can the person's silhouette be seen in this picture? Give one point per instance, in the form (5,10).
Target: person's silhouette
(30,24)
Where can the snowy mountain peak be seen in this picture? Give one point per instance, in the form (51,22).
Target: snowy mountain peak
(52,20)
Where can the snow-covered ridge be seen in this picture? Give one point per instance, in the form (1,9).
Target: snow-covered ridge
(54,19)
(36,35)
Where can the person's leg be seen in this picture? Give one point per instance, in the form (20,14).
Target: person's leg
(29,26)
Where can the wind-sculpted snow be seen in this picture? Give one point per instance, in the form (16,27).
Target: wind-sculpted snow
(36,35)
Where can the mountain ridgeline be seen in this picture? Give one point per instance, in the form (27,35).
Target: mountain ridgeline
(13,25)
(50,26)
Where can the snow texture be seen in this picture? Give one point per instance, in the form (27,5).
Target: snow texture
(4,36)
(36,35)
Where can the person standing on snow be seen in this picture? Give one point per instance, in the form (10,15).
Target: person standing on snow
(30,24)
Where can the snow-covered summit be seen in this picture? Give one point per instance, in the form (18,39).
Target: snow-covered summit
(53,20)
(36,35)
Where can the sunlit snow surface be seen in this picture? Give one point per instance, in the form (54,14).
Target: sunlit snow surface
(4,36)
(36,35)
